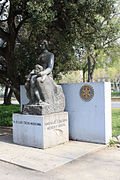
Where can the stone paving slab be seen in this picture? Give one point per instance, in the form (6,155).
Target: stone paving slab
(44,160)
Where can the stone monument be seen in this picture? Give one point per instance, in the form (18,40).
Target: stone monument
(45,96)
(43,122)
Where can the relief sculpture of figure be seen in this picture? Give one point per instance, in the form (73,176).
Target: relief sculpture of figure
(40,86)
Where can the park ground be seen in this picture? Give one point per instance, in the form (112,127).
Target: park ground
(101,165)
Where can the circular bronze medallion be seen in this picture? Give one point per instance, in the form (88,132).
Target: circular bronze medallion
(86,92)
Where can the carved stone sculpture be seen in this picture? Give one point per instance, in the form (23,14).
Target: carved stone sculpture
(44,95)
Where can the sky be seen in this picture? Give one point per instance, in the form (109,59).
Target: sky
(5,14)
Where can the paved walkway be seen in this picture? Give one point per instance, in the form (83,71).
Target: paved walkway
(71,161)
(42,160)
(116,104)
(13,102)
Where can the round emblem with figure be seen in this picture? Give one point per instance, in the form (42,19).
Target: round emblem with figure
(86,92)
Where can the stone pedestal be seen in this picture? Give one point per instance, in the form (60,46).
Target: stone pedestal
(43,108)
(40,131)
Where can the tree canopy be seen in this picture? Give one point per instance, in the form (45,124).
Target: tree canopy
(66,24)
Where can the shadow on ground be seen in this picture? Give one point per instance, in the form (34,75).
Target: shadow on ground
(6,134)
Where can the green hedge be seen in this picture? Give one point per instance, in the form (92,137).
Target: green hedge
(6,114)
(115,94)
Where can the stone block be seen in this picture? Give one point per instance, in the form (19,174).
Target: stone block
(43,108)
(40,131)
(89,111)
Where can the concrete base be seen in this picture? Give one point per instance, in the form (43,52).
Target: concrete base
(40,131)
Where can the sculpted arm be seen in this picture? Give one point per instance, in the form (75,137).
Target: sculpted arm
(38,60)
(50,66)
(30,74)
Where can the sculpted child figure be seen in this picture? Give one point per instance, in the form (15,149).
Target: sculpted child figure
(31,83)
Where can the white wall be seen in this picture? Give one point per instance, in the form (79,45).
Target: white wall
(89,121)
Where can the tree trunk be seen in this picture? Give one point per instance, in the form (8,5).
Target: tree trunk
(7,96)
(92,70)
(89,69)
(17,93)
(84,71)
(115,84)
(84,74)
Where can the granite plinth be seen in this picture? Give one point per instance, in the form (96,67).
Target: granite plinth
(42,109)
(40,131)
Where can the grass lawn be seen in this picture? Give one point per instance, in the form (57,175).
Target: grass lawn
(116,121)
(6,114)
(115,94)
(7,111)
